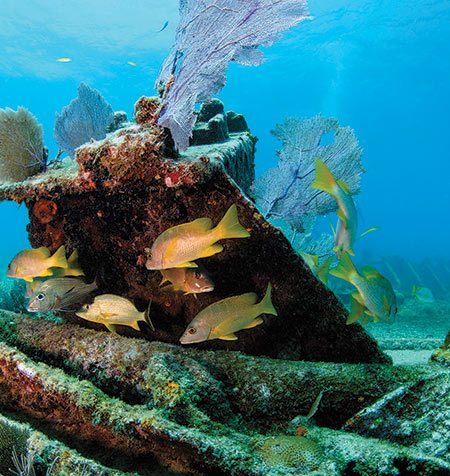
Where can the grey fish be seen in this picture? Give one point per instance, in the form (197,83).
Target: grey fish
(60,294)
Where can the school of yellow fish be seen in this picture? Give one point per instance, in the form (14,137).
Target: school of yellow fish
(56,282)
(374,298)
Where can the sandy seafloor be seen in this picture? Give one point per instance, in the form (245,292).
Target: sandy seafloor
(419,329)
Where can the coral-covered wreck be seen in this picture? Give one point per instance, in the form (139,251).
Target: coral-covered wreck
(124,191)
(193,411)
(303,393)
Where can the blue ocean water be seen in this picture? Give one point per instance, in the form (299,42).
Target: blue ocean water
(380,67)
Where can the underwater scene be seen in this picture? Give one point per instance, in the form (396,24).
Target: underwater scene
(225,237)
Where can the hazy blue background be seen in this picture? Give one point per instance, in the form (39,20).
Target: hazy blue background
(381,67)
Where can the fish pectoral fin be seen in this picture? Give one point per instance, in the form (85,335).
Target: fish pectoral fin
(187,264)
(163,280)
(228,337)
(111,327)
(254,323)
(212,250)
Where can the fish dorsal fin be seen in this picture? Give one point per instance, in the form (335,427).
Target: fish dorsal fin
(247,299)
(43,251)
(200,224)
(344,186)
(369,272)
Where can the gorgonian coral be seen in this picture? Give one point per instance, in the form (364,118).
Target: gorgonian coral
(284,192)
(86,117)
(21,147)
(211,33)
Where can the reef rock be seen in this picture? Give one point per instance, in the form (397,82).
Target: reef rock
(125,190)
(131,404)
(415,415)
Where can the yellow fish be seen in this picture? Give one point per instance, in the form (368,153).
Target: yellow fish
(73,267)
(375,296)
(132,63)
(181,245)
(30,264)
(64,60)
(187,280)
(347,227)
(112,310)
(321,271)
(222,319)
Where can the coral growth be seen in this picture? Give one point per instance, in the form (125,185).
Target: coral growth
(87,117)
(21,147)
(45,210)
(284,192)
(196,67)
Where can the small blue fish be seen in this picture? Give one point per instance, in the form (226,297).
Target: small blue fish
(166,24)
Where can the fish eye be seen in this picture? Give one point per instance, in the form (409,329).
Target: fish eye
(41,296)
(192,330)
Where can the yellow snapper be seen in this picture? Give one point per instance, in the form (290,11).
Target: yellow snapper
(29,264)
(321,271)
(375,297)
(187,280)
(73,267)
(348,218)
(60,294)
(222,319)
(181,245)
(112,310)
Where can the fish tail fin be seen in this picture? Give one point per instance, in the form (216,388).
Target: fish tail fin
(266,306)
(59,260)
(229,226)
(345,269)
(147,316)
(324,179)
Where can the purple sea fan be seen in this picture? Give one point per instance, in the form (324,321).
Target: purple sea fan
(86,117)
(284,192)
(211,33)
